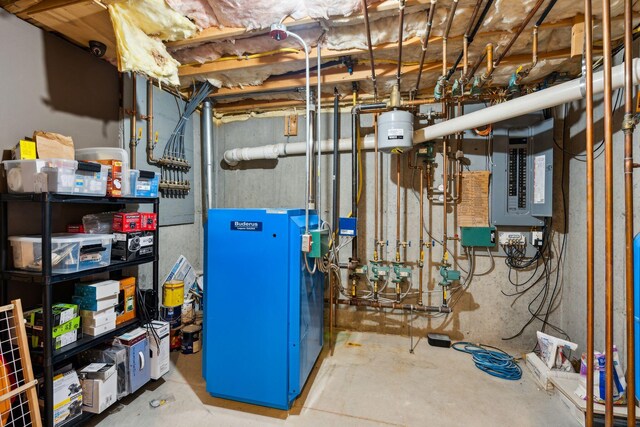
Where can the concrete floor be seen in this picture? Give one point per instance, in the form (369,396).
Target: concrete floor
(371,380)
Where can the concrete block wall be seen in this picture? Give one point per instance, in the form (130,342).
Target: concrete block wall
(50,84)
(482,314)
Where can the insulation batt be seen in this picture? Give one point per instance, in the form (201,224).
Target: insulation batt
(138,52)
(157,19)
(239,47)
(261,14)
(197,10)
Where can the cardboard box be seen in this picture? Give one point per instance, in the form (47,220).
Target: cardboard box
(60,341)
(67,397)
(56,330)
(24,150)
(131,246)
(51,145)
(92,314)
(159,349)
(148,221)
(115,178)
(126,222)
(99,387)
(75,228)
(126,308)
(106,316)
(91,304)
(100,329)
(98,290)
(137,347)
(61,313)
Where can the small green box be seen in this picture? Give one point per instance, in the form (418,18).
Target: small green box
(319,243)
(484,237)
(56,331)
(61,313)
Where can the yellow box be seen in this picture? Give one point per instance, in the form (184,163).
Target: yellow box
(173,293)
(126,308)
(24,150)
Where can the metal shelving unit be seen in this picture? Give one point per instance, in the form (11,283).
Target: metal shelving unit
(46,279)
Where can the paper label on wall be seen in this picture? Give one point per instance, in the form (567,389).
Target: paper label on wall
(395,134)
(473,210)
(539,176)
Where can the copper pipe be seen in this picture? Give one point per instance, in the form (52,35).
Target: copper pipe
(476,65)
(588,34)
(445,178)
(421,222)
(398,177)
(467,34)
(331,311)
(519,31)
(133,141)
(149,117)
(608,212)
(365,13)
(383,304)
(534,58)
(425,41)
(628,127)
(488,55)
(465,56)
(445,35)
(400,40)
(490,64)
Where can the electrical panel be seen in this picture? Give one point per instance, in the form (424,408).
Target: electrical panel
(522,178)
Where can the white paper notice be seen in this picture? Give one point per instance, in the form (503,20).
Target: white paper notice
(539,179)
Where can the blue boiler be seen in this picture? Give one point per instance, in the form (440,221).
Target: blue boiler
(263,311)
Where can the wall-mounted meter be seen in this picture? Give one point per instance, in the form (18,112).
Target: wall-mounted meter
(522,178)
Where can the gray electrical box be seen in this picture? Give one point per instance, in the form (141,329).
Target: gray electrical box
(522,178)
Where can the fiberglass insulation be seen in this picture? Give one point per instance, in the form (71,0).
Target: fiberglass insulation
(139,26)
(253,14)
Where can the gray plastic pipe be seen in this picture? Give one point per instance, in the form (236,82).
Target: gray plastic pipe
(556,95)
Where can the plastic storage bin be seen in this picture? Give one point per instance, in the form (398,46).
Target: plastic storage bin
(91,179)
(27,176)
(69,252)
(143,183)
(61,175)
(118,159)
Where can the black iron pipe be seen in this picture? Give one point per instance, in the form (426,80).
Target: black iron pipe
(365,13)
(336,138)
(471,35)
(400,39)
(425,43)
(354,178)
(355,111)
(545,12)
(524,23)
(393,305)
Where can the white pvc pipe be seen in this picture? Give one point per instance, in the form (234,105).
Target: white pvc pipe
(547,98)
(273,151)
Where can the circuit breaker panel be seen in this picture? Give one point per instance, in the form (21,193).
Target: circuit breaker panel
(522,178)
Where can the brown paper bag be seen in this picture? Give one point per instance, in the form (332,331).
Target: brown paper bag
(51,145)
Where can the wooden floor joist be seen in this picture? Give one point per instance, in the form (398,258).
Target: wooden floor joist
(362,72)
(215,34)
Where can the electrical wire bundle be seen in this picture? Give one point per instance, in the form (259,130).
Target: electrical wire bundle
(495,362)
(174,149)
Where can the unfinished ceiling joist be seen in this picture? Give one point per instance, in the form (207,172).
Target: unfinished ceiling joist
(216,34)
(361,72)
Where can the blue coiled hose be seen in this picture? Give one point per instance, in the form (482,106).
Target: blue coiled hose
(494,362)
